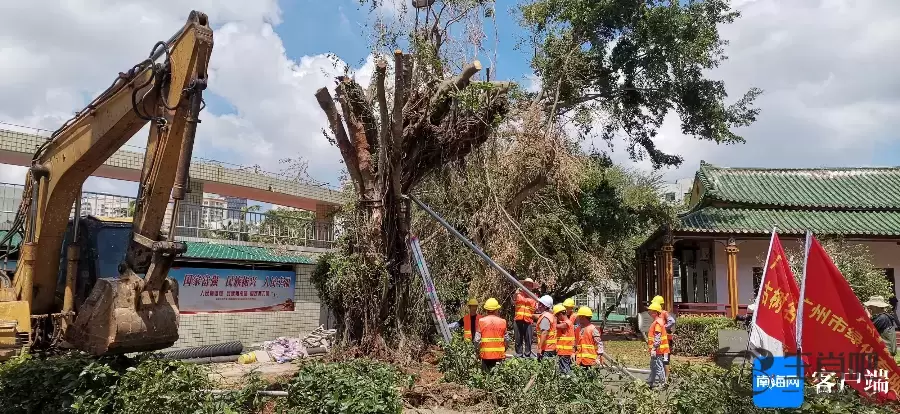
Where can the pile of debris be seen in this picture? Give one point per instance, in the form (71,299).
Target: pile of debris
(285,349)
(280,350)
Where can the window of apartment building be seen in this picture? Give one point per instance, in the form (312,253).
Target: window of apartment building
(670,197)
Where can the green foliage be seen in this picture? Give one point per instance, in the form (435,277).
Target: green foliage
(79,384)
(694,388)
(855,263)
(698,335)
(634,62)
(360,386)
(352,288)
(29,385)
(704,388)
(459,363)
(591,237)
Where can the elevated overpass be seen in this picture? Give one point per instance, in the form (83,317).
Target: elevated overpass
(17,148)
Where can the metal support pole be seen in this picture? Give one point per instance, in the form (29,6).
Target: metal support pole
(472,246)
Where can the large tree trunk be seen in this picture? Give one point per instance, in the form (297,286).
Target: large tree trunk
(386,156)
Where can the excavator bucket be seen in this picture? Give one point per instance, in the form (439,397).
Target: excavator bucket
(120,317)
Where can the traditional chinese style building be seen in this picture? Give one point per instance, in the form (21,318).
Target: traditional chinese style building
(711,260)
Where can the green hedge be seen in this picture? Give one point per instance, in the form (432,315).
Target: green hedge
(698,335)
(360,386)
(82,385)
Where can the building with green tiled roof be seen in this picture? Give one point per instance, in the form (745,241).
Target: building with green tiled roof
(733,211)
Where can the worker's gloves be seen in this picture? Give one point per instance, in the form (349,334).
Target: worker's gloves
(652,353)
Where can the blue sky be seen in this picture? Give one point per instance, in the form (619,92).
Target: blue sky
(312,27)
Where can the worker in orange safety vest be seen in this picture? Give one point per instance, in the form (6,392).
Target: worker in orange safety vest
(669,323)
(658,344)
(524,319)
(490,336)
(565,339)
(546,326)
(468,322)
(588,344)
(570,313)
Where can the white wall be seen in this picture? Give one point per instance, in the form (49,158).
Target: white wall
(256,327)
(752,253)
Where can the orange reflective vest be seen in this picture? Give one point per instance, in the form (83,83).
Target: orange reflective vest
(468,331)
(525,306)
(550,343)
(658,326)
(577,328)
(664,315)
(493,332)
(565,339)
(587,348)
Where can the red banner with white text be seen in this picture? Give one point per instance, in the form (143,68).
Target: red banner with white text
(837,335)
(775,319)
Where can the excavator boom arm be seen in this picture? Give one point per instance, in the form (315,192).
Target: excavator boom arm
(167,94)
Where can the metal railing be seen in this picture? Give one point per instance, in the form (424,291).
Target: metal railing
(289,228)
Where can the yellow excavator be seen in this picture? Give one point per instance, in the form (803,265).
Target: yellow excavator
(55,296)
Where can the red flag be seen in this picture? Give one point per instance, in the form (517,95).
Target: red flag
(837,335)
(774,321)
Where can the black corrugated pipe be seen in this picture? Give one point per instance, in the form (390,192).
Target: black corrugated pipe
(223,349)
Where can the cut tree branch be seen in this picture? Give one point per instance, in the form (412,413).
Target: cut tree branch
(362,110)
(384,131)
(340,134)
(440,101)
(401,92)
(360,144)
(525,192)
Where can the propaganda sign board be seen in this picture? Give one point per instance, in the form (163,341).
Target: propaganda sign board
(208,290)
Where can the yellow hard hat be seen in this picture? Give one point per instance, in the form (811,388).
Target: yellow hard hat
(491,304)
(569,303)
(558,308)
(473,302)
(658,299)
(654,307)
(585,311)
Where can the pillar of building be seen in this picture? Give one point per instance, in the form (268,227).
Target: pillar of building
(668,282)
(658,274)
(323,227)
(189,213)
(731,251)
(640,286)
(647,260)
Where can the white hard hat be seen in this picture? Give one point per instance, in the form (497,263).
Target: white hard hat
(547,301)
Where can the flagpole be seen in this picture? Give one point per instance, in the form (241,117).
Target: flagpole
(765,273)
(802,299)
(758,294)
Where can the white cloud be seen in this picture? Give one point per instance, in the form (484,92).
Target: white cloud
(56,55)
(826,67)
(831,97)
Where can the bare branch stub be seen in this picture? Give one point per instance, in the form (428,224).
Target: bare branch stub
(336,123)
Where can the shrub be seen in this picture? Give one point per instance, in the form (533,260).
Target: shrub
(358,386)
(30,385)
(704,388)
(459,362)
(79,384)
(698,335)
